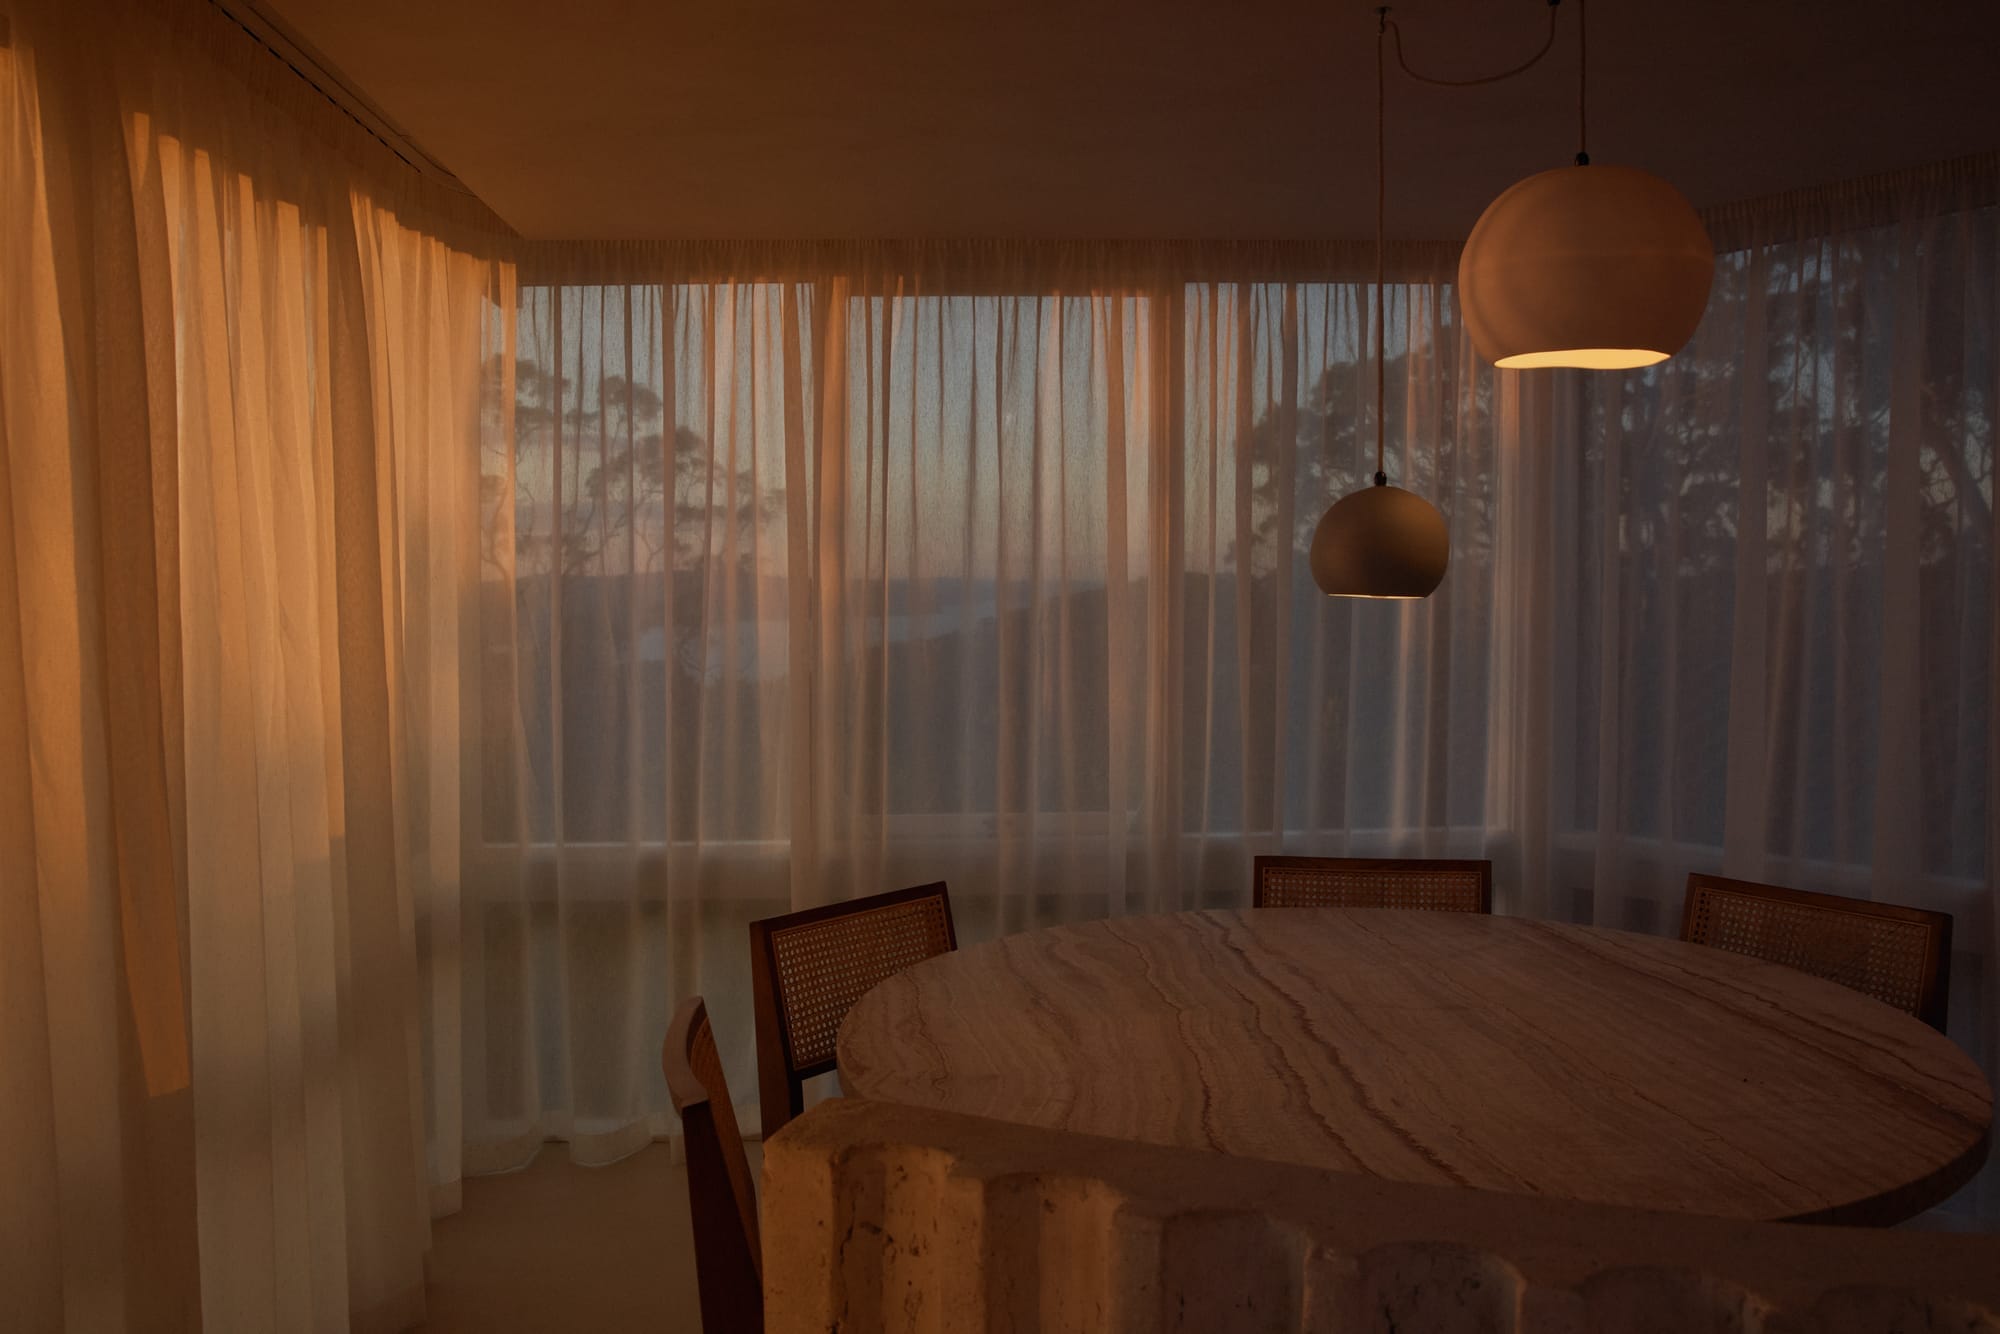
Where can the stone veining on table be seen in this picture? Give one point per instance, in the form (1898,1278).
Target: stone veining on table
(1444,1049)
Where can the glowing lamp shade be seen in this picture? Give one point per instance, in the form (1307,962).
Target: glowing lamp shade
(1380,542)
(1597,267)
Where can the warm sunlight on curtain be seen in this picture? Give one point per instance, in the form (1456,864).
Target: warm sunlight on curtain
(233,384)
(93,1043)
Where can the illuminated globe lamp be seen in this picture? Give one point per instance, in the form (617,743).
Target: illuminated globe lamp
(1380,542)
(1594,267)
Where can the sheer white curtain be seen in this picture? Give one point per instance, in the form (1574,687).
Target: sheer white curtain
(1771,580)
(810,572)
(234,383)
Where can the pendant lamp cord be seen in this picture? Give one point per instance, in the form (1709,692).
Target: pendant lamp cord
(1385,30)
(1382,26)
(1548,43)
(1582,82)
(1522,68)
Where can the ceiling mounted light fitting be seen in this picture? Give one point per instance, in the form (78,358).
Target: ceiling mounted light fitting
(1380,541)
(1592,267)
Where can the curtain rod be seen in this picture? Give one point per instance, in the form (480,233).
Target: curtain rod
(319,74)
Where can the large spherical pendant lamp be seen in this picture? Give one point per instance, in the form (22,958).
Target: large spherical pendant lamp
(1593,267)
(1597,267)
(1381,541)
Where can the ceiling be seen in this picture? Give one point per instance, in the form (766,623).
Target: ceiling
(602,119)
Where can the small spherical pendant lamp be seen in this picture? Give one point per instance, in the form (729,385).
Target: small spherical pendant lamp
(1593,267)
(1381,541)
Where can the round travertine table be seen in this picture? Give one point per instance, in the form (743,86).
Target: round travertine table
(1445,1048)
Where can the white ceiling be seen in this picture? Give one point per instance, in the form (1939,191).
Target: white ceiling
(585,119)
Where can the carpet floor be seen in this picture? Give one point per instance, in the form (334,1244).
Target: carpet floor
(556,1248)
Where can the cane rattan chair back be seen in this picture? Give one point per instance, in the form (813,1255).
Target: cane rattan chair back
(722,1196)
(1898,955)
(1372,882)
(808,968)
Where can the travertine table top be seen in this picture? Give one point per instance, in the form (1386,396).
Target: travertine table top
(1447,1048)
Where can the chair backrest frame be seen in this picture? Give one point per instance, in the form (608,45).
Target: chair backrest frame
(728,1248)
(1412,866)
(781,1076)
(1933,985)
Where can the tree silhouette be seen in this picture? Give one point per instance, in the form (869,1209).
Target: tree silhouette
(1331,453)
(592,470)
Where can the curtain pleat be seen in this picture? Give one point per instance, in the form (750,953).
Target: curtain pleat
(96,1054)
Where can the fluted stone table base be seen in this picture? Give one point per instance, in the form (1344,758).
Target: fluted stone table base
(883,1217)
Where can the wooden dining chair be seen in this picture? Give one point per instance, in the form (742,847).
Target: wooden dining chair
(808,968)
(728,1257)
(1372,882)
(1898,955)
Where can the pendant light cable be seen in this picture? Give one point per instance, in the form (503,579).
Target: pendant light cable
(1382,26)
(1548,42)
(1380,541)
(1582,82)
